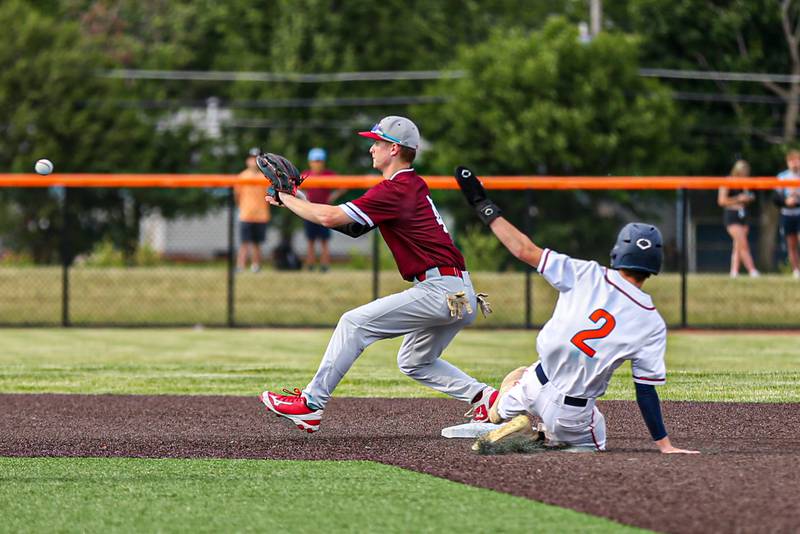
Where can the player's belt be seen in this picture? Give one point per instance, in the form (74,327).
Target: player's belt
(569,401)
(443,271)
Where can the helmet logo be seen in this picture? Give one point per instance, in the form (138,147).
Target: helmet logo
(643,243)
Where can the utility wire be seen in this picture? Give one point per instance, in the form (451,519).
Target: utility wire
(281,103)
(289,103)
(231,76)
(725,97)
(719,76)
(245,76)
(279,124)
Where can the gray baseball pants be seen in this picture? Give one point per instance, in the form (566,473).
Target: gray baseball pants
(583,427)
(421,315)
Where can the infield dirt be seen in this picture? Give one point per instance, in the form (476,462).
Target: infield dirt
(746,480)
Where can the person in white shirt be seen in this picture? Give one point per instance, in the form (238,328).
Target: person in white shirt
(602,318)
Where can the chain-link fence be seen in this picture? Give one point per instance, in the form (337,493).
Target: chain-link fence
(80,265)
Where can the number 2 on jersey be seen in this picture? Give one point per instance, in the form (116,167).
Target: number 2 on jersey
(579,339)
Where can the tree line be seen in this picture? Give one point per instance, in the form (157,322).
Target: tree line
(533,98)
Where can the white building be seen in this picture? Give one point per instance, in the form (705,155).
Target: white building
(206,237)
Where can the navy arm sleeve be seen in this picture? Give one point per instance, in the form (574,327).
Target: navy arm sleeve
(353,229)
(647,398)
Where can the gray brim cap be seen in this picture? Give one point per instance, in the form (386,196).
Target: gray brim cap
(395,129)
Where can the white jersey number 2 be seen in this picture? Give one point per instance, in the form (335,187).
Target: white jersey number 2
(439,219)
(579,339)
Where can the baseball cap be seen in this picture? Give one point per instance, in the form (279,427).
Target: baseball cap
(395,129)
(255,152)
(317,154)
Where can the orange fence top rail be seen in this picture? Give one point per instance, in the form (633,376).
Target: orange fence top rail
(366,181)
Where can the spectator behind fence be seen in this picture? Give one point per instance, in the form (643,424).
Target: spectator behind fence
(788,199)
(735,203)
(314,232)
(253,215)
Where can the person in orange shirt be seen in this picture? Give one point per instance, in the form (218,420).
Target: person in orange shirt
(253,215)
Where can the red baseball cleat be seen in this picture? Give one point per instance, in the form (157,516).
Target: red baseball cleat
(293,407)
(479,413)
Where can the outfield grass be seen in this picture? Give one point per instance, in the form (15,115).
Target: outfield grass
(137,495)
(759,367)
(190,295)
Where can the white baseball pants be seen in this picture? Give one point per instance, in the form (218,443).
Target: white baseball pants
(579,426)
(422,316)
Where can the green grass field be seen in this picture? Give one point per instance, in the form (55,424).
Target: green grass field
(198,295)
(137,495)
(125,495)
(701,366)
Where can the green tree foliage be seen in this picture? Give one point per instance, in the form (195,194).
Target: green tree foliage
(48,99)
(735,36)
(534,99)
(53,105)
(542,98)
(326,36)
(542,101)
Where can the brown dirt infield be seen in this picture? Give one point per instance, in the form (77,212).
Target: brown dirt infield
(747,480)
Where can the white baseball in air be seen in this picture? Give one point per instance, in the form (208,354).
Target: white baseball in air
(44,166)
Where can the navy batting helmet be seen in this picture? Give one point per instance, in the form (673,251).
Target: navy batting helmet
(638,248)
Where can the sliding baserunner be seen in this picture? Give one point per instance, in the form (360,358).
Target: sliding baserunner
(602,318)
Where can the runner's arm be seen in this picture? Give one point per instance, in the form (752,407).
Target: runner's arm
(650,406)
(516,242)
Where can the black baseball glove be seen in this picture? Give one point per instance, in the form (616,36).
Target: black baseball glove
(281,173)
(475,194)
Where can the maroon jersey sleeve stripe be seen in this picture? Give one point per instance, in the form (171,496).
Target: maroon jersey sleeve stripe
(358,215)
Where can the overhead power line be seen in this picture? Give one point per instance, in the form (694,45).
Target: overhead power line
(719,76)
(725,97)
(244,76)
(291,124)
(289,103)
(276,103)
(366,76)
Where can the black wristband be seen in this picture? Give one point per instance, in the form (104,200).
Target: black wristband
(488,211)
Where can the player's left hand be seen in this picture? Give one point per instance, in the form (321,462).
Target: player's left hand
(470,185)
(475,194)
(272,200)
(665,446)
(282,174)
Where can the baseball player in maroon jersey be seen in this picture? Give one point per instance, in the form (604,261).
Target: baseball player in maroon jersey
(441,302)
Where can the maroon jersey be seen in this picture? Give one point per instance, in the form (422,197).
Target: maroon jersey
(316,195)
(401,207)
